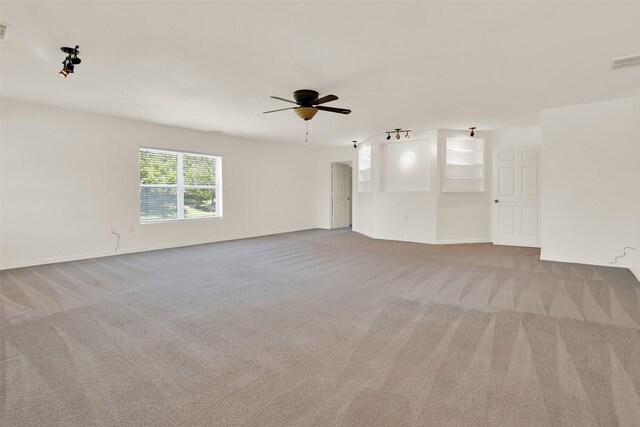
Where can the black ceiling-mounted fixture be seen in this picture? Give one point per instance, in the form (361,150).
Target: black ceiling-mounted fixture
(70,61)
(472,129)
(397,132)
(355,144)
(309,104)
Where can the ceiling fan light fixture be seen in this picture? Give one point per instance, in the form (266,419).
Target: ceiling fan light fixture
(306,113)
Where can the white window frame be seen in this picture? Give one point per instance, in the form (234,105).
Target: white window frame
(180,186)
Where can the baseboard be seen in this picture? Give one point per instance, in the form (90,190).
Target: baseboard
(102,254)
(584,261)
(428,242)
(460,241)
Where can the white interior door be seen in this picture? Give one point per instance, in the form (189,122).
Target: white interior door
(341,178)
(516,196)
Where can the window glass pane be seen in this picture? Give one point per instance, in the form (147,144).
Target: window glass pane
(199,202)
(158,203)
(175,185)
(158,167)
(198,170)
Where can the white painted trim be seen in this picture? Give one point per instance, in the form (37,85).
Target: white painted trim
(78,257)
(582,261)
(461,241)
(429,242)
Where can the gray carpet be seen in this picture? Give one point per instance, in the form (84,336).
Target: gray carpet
(320,328)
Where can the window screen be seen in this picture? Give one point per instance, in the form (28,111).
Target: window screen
(175,185)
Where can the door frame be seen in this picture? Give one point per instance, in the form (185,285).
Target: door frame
(350,164)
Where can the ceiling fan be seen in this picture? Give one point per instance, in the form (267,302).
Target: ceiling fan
(308,104)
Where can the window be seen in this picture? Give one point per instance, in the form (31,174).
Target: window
(176,185)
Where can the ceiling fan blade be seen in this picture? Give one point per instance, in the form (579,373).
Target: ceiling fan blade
(334,110)
(285,100)
(324,99)
(281,109)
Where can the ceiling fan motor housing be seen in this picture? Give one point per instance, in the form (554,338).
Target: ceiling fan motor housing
(304,97)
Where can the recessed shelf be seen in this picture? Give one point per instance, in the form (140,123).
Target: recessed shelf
(463,166)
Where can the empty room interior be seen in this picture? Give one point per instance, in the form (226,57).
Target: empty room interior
(258,213)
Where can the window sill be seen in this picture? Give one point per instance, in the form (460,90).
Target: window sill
(160,221)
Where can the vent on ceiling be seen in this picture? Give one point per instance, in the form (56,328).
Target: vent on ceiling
(4,29)
(626,61)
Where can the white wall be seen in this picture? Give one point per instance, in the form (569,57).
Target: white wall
(67,176)
(422,216)
(590,182)
(516,137)
(635,255)
(397,215)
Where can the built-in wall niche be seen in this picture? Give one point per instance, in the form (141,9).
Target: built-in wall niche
(364,168)
(463,165)
(405,166)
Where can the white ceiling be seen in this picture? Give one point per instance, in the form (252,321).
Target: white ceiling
(212,65)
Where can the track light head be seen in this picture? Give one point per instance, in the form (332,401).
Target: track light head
(472,129)
(406,135)
(65,70)
(70,61)
(388,136)
(355,144)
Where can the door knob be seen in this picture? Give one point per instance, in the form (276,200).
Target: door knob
(496,201)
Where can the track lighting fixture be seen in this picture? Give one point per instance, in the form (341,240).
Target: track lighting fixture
(70,61)
(472,129)
(397,132)
(355,144)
